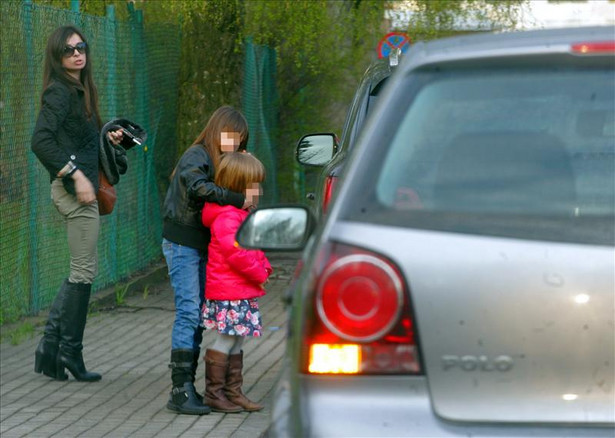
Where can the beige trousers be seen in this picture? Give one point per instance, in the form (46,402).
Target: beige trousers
(82,228)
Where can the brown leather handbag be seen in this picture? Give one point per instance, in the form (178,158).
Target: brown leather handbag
(106,196)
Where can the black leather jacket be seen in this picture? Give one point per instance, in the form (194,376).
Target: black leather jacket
(63,133)
(112,158)
(193,184)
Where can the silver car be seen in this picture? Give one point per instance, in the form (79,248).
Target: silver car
(462,283)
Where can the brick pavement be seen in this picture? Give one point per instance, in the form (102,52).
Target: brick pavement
(130,346)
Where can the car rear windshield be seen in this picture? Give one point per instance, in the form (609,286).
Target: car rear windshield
(526,153)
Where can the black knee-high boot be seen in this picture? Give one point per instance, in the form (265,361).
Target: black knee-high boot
(45,356)
(195,363)
(72,325)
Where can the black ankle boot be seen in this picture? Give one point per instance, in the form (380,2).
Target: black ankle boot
(183,398)
(72,325)
(45,356)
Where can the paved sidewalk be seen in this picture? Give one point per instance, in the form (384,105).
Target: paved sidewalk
(130,347)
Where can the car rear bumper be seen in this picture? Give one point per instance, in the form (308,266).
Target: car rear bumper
(385,406)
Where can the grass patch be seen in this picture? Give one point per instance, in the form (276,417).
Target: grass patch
(120,293)
(19,333)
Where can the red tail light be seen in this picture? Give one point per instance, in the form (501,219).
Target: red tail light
(594,48)
(330,184)
(359,297)
(360,321)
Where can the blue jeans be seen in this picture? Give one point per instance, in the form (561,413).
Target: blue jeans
(187,272)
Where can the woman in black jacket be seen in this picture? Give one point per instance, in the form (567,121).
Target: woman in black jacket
(185,242)
(66,141)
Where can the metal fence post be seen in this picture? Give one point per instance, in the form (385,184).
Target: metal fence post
(143,87)
(34,288)
(138,49)
(111,92)
(74,8)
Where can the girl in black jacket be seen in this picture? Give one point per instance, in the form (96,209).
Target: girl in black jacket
(185,241)
(66,141)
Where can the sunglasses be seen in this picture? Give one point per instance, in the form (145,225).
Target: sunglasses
(70,50)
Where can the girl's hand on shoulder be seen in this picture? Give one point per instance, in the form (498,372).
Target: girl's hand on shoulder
(115,137)
(83,188)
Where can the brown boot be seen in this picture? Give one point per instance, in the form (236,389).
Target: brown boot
(234,380)
(216,364)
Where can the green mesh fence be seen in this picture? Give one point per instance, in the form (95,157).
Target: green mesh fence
(259,105)
(136,72)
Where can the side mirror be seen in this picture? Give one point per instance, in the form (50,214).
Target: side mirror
(280,228)
(316,149)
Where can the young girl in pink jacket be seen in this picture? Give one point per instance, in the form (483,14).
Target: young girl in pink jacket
(235,278)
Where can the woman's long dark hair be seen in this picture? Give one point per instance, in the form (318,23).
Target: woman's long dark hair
(54,71)
(225,118)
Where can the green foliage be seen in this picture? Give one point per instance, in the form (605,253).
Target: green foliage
(120,293)
(19,333)
(92,7)
(211,70)
(322,48)
(211,59)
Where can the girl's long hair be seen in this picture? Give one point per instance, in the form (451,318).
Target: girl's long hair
(54,71)
(224,119)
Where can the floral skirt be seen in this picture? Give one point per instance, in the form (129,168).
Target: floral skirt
(234,317)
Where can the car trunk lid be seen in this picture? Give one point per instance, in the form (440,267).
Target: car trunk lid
(509,330)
